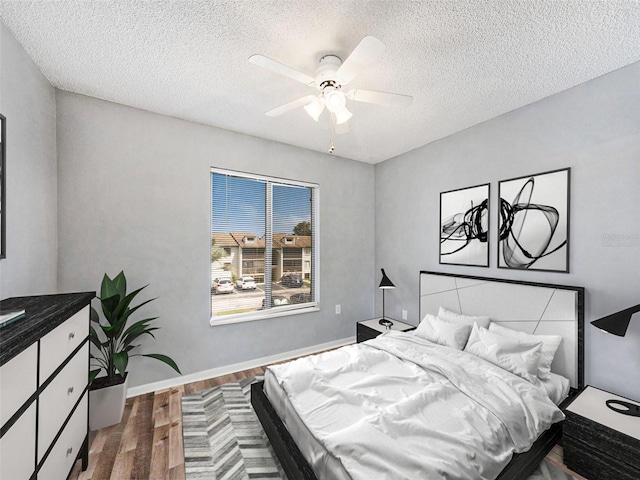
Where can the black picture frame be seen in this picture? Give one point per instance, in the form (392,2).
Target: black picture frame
(533,222)
(3,183)
(464,226)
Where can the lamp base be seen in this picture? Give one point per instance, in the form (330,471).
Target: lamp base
(625,408)
(386,323)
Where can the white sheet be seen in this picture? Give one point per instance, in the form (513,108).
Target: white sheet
(375,416)
(556,386)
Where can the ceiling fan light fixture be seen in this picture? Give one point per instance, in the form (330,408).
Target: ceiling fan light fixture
(342,116)
(334,100)
(315,108)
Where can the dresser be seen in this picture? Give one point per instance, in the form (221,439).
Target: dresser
(599,443)
(44,373)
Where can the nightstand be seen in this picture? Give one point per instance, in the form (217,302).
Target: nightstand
(598,442)
(368,329)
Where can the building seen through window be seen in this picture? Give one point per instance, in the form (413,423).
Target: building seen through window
(262,245)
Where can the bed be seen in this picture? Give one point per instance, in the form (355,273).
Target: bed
(534,308)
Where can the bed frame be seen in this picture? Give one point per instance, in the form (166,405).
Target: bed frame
(527,306)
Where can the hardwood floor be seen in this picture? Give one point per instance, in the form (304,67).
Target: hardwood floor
(147,444)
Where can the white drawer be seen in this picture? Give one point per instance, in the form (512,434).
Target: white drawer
(18,381)
(65,451)
(58,344)
(17,448)
(59,397)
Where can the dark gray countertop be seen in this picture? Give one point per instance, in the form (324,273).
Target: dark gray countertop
(43,313)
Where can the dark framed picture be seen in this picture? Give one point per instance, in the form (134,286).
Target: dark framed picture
(464,226)
(533,227)
(3,180)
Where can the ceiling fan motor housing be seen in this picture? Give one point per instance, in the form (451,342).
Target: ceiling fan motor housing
(326,72)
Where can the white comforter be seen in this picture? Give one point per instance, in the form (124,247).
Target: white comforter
(441,414)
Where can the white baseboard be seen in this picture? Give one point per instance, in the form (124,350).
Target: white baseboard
(237,367)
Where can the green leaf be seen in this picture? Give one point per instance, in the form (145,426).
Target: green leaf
(121,359)
(122,310)
(112,331)
(109,305)
(93,337)
(117,327)
(128,297)
(128,348)
(120,284)
(93,315)
(137,329)
(165,359)
(107,289)
(93,374)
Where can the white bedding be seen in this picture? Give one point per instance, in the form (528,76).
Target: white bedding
(557,387)
(360,412)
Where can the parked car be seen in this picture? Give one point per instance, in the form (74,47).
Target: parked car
(291,280)
(246,283)
(300,298)
(222,285)
(277,301)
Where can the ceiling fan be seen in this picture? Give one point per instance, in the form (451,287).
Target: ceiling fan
(330,77)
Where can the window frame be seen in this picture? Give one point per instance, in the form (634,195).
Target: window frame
(284,310)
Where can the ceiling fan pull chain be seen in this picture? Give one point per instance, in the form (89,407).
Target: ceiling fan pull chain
(332,119)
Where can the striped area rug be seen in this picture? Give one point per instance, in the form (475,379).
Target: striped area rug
(223,438)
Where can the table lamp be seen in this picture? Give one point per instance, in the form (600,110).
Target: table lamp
(385,284)
(617,324)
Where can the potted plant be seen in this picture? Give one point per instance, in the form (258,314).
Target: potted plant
(114,342)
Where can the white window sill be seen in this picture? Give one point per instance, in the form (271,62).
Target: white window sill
(262,315)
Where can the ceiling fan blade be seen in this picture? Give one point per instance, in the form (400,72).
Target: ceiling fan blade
(290,106)
(277,67)
(379,98)
(366,52)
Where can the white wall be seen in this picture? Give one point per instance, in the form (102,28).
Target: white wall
(134,194)
(593,128)
(28,101)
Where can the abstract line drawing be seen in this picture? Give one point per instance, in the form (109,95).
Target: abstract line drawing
(464,226)
(533,230)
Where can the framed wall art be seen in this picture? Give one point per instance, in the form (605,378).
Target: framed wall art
(533,224)
(464,226)
(3,182)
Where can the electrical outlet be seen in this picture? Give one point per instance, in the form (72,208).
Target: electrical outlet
(337,309)
(404,314)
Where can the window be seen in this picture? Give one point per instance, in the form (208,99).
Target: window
(264,228)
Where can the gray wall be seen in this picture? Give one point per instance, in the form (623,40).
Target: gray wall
(28,101)
(130,190)
(593,128)
(134,194)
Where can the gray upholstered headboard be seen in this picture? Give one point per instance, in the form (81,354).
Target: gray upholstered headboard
(538,308)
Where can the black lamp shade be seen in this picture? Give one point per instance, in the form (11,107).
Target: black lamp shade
(385,282)
(616,323)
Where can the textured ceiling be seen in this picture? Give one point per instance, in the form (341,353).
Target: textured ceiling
(463,61)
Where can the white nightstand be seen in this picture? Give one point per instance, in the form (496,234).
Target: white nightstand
(368,329)
(598,442)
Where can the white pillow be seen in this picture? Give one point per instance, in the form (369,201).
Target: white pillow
(550,344)
(518,356)
(442,332)
(454,317)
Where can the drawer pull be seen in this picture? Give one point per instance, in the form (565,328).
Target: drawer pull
(72,335)
(69,390)
(69,451)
